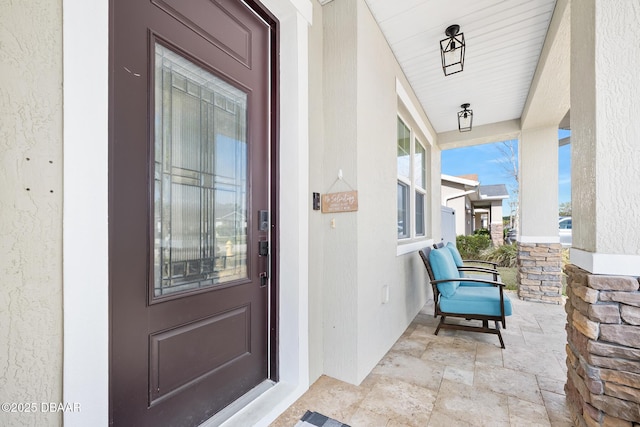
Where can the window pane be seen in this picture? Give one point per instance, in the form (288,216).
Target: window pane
(419,166)
(200,177)
(403,210)
(419,214)
(404,150)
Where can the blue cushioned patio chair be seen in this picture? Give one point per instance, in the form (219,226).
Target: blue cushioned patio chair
(485,267)
(468,298)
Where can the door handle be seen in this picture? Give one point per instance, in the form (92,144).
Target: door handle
(264,277)
(263,252)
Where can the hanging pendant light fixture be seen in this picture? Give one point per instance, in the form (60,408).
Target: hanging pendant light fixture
(452,50)
(465,118)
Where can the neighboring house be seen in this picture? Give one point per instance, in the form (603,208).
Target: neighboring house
(122,122)
(488,203)
(456,192)
(476,206)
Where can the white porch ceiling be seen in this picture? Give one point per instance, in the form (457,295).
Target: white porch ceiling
(504,40)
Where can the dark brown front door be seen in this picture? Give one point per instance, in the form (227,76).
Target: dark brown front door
(188,208)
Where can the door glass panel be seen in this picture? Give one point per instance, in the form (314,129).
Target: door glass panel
(200,177)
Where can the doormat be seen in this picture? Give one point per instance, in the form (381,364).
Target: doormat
(310,419)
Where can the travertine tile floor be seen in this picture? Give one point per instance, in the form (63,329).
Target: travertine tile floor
(456,378)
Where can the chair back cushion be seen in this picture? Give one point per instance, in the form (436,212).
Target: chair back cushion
(455,254)
(444,267)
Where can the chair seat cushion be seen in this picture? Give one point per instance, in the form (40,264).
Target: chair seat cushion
(475,300)
(444,267)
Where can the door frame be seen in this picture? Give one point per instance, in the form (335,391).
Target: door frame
(85,223)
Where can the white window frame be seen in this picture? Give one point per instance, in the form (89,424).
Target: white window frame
(418,189)
(405,180)
(410,182)
(410,114)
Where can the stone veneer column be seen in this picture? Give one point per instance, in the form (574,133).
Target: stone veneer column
(540,272)
(539,250)
(603,350)
(497,234)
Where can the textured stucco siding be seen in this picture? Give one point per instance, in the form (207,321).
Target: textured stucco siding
(317,228)
(360,263)
(340,296)
(539,184)
(31,209)
(617,130)
(605,134)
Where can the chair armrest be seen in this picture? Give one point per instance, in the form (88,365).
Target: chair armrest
(495,264)
(479,270)
(469,279)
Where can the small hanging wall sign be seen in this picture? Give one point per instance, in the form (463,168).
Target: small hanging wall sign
(346,201)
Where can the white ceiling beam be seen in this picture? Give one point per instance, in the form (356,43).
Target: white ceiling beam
(485,134)
(549,95)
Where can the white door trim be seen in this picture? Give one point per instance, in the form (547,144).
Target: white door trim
(85,229)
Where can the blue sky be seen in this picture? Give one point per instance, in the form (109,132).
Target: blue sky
(484,160)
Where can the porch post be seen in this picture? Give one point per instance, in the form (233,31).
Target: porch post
(539,250)
(603,306)
(495,221)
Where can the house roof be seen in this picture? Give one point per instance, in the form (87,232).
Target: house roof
(498,191)
(477,193)
(460,180)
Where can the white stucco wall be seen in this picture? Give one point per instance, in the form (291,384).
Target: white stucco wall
(360,253)
(538,159)
(317,227)
(463,220)
(31,208)
(583,112)
(436,189)
(605,135)
(380,324)
(449,193)
(605,129)
(496,212)
(340,293)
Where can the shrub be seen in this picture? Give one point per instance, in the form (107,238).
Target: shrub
(482,231)
(471,247)
(565,257)
(505,255)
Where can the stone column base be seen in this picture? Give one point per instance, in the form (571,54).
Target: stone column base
(603,349)
(497,234)
(540,272)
